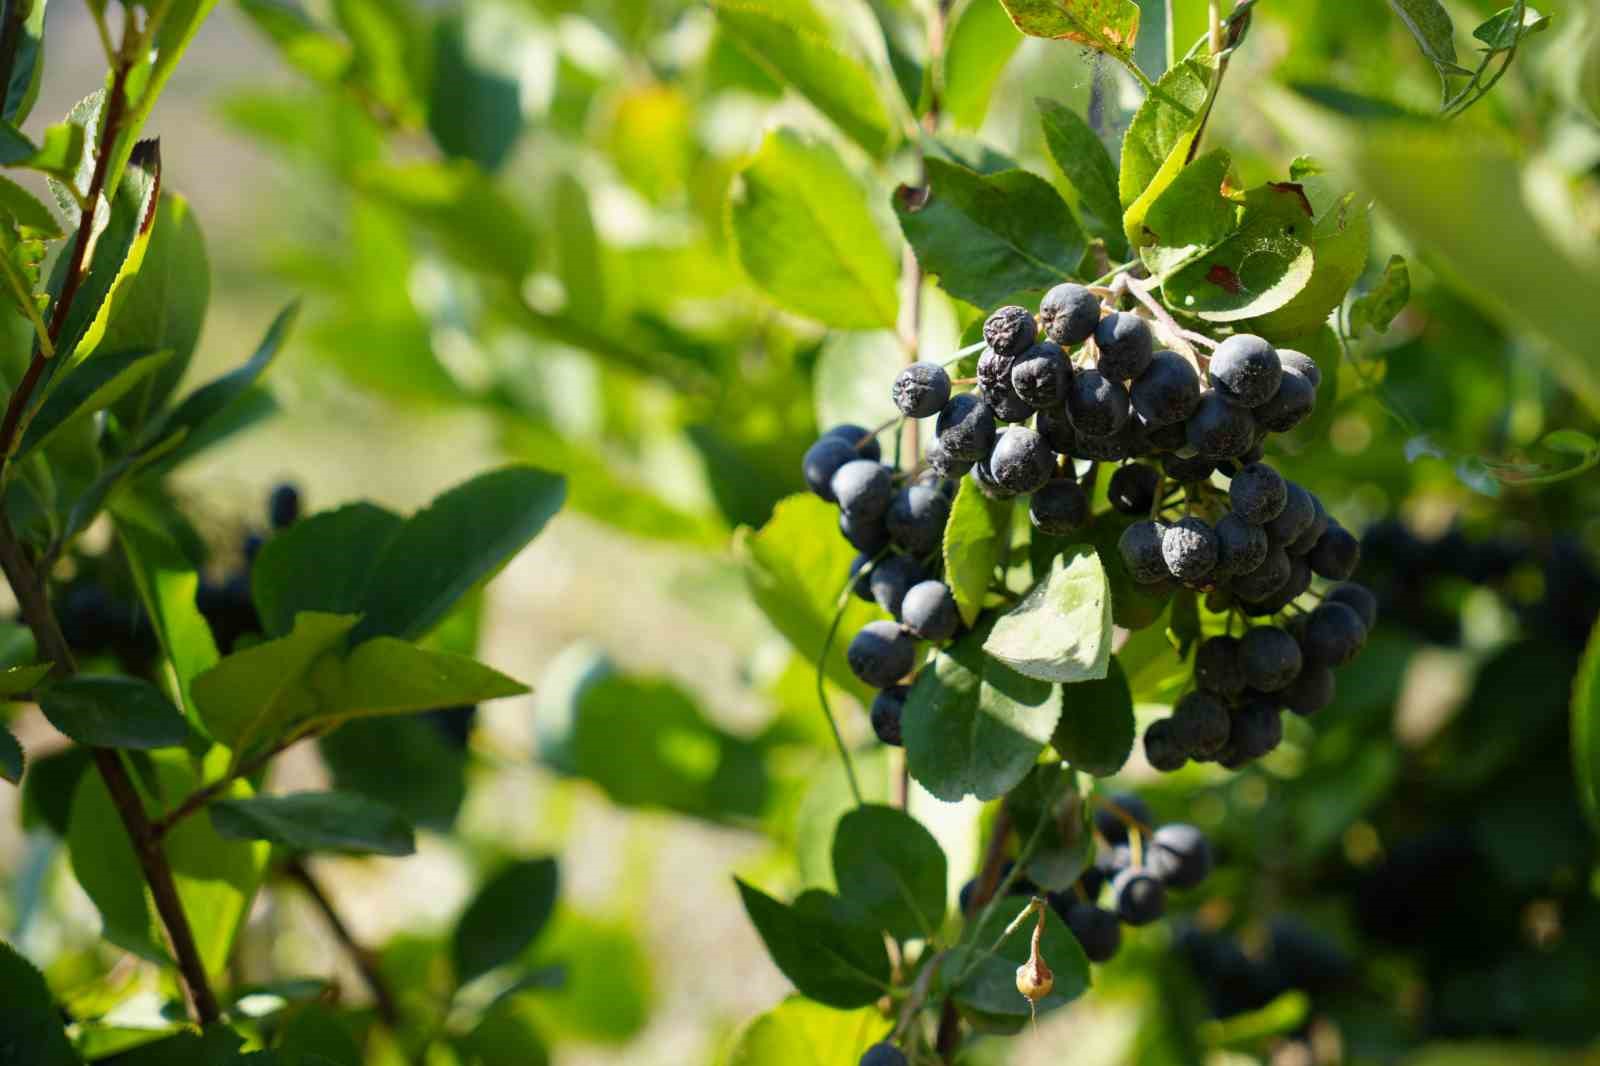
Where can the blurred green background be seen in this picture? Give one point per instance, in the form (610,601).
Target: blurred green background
(509,221)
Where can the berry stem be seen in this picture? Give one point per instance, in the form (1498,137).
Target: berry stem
(1175,332)
(382,995)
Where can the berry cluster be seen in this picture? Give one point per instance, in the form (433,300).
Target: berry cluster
(896,524)
(1137,862)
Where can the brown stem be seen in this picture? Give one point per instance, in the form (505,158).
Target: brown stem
(382,995)
(79,269)
(197,800)
(30,593)
(949,1037)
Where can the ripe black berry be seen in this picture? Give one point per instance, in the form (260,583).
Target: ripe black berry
(1220,428)
(1021,462)
(283,507)
(1257,731)
(863,489)
(1009,331)
(1059,508)
(881,654)
(1273,574)
(1162,748)
(1334,634)
(823,460)
(1258,494)
(929,611)
(1294,401)
(1132,490)
(917,518)
(1004,402)
(1311,691)
(1180,855)
(1040,375)
(1246,369)
(884,1054)
(1097,405)
(887,707)
(1168,391)
(1114,828)
(1126,345)
(1294,362)
(1241,547)
(1200,725)
(1189,548)
(1358,598)
(1139,898)
(1140,548)
(943,463)
(1097,929)
(966,428)
(867,535)
(983,477)
(858,437)
(1307,540)
(1296,517)
(892,578)
(861,584)
(1069,313)
(1270,658)
(1217,668)
(921,390)
(1336,553)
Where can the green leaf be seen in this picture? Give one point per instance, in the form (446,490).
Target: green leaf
(213,398)
(1586,729)
(18,679)
(1061,631)
(118,253)
(604,989)
(804,235)
(646,743)
(323,563)
(506,1035)
(1379,307)
(1340,241)
(48,789)
(1430,25)
(27,210)
(404,763)
(988,236)
(1263,266)
(474,109)
(1096,729)
(11,757)
(1161,137)
(1500,30)
(1105,25)
(462,538)
(31,1030)
(1050,806)
(974,726)
(113,712)
(796,566)
(316,821)
(1088,168)
(472,220)
(321,1035)
(979,44)
(388,676)
(1539,284)
(505,916)
(891,868)
(988,982)
(1190,218)
(91,386)
(27,67)
(320,55)
(165,307)
(820,946)
(798,1032)
(167,585)
(254,696)
(975,541)
(795,45)
(108,871)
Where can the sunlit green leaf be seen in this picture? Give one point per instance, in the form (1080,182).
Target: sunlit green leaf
(1106,25)
(1061,631)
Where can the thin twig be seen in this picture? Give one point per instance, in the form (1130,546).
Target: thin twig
(382,995)
(200,797)
(29,591)
(1175,332)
